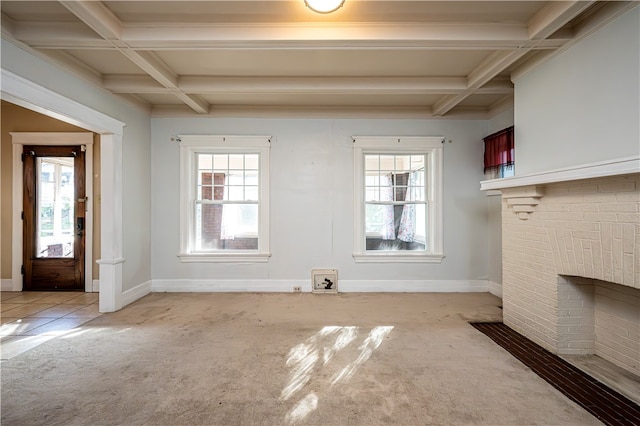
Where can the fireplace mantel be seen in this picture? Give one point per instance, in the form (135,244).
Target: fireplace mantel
(620,166)
(523,193)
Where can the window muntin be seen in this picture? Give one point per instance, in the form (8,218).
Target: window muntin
(395,202)
(398,199)
(224,210)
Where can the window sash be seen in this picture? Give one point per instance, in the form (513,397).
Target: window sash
(191,187)
(431,149)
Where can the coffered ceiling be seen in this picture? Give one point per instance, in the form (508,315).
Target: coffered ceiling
(272,57)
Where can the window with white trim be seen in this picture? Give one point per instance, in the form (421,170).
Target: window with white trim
(398,199)
(224,211)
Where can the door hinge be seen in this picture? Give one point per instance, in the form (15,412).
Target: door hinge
(22,269)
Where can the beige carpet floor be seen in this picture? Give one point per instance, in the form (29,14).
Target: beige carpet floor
(277,359)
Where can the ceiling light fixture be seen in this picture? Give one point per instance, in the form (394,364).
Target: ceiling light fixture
(324,6)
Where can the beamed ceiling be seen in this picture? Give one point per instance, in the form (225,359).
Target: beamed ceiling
(271,57)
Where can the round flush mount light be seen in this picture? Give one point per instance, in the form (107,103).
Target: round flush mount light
(324,6)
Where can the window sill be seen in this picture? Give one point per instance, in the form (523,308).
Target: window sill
(224,257)
(394,257)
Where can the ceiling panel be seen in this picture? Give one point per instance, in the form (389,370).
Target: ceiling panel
(463,53)
(318,62)
(321,99)
(106,61)
(296,11)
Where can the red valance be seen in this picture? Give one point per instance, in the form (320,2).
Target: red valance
(498,149)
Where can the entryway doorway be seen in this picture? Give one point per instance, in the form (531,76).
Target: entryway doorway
(54,217)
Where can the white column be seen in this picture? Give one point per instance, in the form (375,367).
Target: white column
(111,229)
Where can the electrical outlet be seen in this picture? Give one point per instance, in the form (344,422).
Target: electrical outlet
(297,289)
(324,280)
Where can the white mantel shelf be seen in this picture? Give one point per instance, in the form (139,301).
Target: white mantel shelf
(621,166)
(523,193)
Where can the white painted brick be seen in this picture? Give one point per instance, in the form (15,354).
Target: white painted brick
(627,217)
(632,197)
(628,269)
(617,186)
(619,207)
(581,345)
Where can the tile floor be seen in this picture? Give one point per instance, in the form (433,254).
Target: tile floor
(29,319)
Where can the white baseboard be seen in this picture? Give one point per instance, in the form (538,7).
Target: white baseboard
(95,286)
(413,286)
(230,286)
(6,284)
(135,293)
(344,286)
(495,289)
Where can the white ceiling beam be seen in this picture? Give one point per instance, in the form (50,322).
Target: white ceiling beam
(99,18)
(585,27)
(555,15)
(159,35)
(153,36)
(73,35)
(550,19)
(352,85)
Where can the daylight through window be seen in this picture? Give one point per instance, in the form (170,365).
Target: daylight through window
(224,198)
(398,208)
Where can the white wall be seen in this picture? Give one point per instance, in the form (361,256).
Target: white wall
(136,151)
(494,213)
(583,105)
(312,199)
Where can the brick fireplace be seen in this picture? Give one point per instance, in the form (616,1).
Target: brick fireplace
(571,260)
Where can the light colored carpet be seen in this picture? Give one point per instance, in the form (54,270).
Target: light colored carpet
(272,359)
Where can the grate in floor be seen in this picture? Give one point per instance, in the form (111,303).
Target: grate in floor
(609,406)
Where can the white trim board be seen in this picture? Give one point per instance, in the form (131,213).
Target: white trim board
(6,284)
(346,286)
(18,140)
(136,293)
(495,289)
(30,95)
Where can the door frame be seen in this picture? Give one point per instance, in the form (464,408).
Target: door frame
(19,139)
(30,95)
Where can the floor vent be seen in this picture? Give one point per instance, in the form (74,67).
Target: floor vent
(609,406)
(324,280)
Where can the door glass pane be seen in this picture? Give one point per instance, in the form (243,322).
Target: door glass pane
(55,218)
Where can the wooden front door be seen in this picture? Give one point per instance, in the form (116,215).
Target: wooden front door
(54,218)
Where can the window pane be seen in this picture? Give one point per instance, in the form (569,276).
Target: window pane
(251,177)
(251,161)
(221,162)
(55,204)
(393,228)
(372,163)
(227,178)
(205,161)
(374,217)
(251,193)
(403,163)
(234,193)
(226,227)
(236,161)
(387,163)
(372,194)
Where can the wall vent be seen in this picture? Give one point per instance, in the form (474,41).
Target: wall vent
(324,280)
